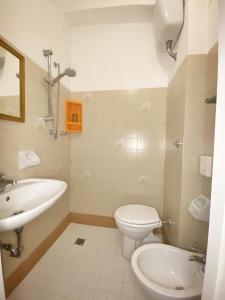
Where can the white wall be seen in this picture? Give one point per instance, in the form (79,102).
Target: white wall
(34,25)
(9,83)
(212,23)
(194,39)
(215,264)
(121,56)
(200,31)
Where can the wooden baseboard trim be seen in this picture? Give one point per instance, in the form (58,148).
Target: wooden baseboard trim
(26,266)
(93,220)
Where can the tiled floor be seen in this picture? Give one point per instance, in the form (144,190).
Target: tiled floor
(95,271)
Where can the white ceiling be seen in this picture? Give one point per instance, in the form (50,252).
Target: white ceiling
(94,12)
(71,5)
(110,15)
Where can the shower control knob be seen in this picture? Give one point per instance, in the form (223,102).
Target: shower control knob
(167,222)
(62,133)
(178,143)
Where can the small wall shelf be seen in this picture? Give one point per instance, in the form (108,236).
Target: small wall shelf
(73,110)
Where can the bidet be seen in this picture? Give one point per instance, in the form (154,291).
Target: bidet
(166,273)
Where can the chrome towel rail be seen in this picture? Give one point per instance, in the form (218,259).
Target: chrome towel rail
(210,100)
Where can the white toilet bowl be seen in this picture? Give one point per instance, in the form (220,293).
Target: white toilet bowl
(136,222)
(166,273)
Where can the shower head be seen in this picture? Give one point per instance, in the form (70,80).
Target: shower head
(68,72)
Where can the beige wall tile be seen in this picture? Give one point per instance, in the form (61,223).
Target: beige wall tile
(119,158)
(54,154)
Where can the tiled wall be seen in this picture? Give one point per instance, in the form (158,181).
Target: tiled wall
(173,155)
(193,83)
(54,154)
(119,157)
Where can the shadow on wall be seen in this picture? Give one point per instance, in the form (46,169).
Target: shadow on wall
(195,80)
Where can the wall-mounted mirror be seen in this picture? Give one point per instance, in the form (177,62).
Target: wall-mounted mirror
(12,83)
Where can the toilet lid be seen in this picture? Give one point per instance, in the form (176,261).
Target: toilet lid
(137,214)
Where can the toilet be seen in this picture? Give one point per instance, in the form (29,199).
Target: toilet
(136,223)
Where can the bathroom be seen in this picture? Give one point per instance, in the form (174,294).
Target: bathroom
(111,162)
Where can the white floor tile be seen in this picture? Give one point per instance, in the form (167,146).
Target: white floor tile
(113,296)
(87,294)
(79,279)
(100,295)
(129,276)
(115,287)
(91,282)
(117,275)
(56,286)
(95,271)
(106,273)
(103,285)
(128,289)
(74,292)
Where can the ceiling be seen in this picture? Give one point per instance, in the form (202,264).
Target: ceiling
(95,12)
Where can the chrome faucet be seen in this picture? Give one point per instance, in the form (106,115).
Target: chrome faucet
(5,182)
(201,259)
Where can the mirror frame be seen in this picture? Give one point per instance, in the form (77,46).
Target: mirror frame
(21,58)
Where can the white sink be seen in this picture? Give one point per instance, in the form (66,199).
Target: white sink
(32,196)
(166,273)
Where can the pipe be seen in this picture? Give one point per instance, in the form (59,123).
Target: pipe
(15,252)
(170,46)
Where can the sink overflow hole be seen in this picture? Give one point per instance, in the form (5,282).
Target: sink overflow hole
(80,241)
(179,288)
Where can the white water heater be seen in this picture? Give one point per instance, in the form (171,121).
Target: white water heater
(167,22)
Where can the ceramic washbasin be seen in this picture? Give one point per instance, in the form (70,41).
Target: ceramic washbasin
(27,200)
(166,273)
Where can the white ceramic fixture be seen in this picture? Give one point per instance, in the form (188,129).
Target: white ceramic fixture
(199,208)
(136,223)
(28,158)
(32,197)
(167,21)
(165,272)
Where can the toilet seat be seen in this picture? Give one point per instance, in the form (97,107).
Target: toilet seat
(136,214)
(131,225)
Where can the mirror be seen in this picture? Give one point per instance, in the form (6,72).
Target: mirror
(12,83)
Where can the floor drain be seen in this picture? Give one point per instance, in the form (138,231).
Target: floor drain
(179,288)
(80,241)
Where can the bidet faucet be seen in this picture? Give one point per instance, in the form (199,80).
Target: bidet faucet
(201,259)
(5,182)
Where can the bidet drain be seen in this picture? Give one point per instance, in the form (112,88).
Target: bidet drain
(179,288)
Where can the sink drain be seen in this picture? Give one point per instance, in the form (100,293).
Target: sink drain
(179,288)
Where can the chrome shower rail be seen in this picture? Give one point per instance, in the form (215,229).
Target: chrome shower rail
(48,53)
